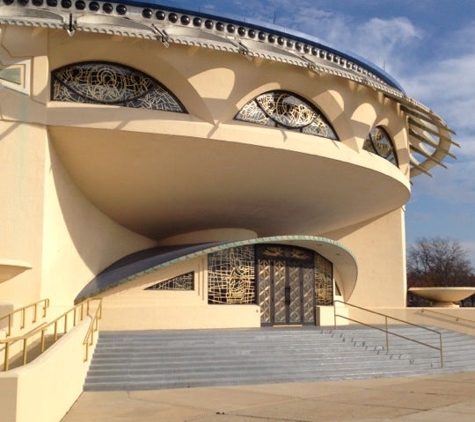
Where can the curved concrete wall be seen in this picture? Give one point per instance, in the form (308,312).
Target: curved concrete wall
(90,184)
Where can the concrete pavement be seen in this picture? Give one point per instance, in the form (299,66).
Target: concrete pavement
(419,399)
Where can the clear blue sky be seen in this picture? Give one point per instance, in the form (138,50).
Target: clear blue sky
(429,47)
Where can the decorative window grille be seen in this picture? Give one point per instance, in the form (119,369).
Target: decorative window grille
(111,84)
(231,277)
(285,110)
(181,282)
(323,281)
(379,142)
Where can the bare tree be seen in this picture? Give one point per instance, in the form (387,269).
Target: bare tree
(438,262)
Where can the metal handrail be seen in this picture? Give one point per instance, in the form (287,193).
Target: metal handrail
(385,330)
(93,327)
(455,318)
(23,314)
(82,309)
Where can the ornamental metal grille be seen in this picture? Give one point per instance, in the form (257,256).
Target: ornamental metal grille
(181,282)
(111,84)
(286,110)
(231,277)
(323,281)
(286,284)
(379,142)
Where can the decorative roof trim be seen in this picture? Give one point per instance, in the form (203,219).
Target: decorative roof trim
(153,21)
(145,19)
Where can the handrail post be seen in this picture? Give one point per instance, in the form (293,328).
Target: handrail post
(45,306)
(387,334)
(334,315)
(35,312)
(22,325)
(9,331)
(441,351)
(42,341)
(25,350)
(6,360)
(86,358)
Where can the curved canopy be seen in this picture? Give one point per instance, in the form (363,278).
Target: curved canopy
(147,261)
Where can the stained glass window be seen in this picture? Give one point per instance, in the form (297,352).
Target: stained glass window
(181,282)
(111,84)
(286,110)
(231,276)
(379,142)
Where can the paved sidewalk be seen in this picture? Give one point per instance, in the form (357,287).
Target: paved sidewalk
(422,399)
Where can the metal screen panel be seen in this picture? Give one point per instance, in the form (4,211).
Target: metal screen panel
(264,275)
(279,292)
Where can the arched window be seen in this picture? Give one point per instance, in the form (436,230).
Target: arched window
(378,142)
(288,111)
(111,84)
(180,282)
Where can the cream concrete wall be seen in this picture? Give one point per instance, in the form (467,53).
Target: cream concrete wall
(79,240)
(22,154)
(48,223)
(130,307)
(379,248)
(5,308)
(45,389)
(180,317)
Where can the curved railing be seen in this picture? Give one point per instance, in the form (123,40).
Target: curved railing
(22,312)
(53,330)
(387,331)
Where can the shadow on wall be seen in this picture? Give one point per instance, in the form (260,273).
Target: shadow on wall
(80,234)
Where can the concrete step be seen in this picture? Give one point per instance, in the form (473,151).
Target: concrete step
(171,359)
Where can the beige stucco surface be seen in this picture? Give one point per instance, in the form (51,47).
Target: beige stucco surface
(32,393)
(90,184)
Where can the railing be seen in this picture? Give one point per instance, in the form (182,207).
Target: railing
(93,327)
(386,330)
(58,326)
(22,311)
(469,322)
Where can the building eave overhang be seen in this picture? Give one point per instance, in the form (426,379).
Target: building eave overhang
(430,139)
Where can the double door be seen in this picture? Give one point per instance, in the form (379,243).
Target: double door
(286,285)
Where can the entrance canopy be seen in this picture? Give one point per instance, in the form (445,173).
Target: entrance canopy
(147,261)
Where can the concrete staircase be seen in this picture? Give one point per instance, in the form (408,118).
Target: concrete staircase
(142,360)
